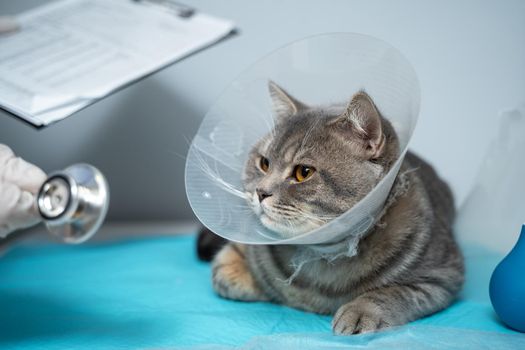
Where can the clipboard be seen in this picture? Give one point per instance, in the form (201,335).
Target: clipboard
(71,53)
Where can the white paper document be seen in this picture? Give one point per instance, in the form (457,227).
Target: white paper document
(71,53)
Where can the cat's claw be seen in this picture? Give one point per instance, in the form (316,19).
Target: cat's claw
(359,317)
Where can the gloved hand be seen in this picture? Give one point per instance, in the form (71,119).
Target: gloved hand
(19,183)
(8,25)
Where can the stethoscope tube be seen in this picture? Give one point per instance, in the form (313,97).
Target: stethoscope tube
(73,202)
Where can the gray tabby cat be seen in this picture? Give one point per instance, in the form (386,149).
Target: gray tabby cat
(315,165)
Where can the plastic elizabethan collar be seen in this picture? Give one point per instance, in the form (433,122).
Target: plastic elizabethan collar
(318,70)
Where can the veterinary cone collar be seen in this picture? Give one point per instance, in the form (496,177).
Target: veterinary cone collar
(321,69)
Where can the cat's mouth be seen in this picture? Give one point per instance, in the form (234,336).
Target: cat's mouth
(284,227)
(282,223)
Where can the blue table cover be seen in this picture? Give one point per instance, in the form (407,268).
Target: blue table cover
(154,293)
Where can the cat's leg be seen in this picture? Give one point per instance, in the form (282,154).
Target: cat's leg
(232,278)
(390,306)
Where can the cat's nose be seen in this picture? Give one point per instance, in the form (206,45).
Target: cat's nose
(262,194)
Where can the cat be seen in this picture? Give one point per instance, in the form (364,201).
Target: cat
(316,164)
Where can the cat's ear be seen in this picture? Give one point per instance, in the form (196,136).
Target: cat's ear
(362,119)
(283,104)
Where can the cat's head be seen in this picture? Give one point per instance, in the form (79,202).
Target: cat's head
(318,162)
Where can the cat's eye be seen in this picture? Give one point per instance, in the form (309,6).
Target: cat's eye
(264,164)
(303,172)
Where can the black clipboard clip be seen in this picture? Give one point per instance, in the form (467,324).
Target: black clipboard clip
(181,10)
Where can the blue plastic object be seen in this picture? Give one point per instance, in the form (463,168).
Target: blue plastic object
(507,286)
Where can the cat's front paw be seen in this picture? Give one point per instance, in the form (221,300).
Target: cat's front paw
(230,281)
(359,317)
(231,277)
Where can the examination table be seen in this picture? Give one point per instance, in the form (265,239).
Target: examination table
(153,293)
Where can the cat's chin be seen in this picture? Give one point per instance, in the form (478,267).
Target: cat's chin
(286,230)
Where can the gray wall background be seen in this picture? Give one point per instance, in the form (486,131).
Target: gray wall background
(469,55)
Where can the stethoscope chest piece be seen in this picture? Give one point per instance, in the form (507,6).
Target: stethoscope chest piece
(74,202)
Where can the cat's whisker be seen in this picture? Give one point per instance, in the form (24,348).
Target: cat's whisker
(183,157)
(270,124)
(242,208)
(319,218)
(284,209)
(322,219)
(216,178)
(267,119)
(187,139)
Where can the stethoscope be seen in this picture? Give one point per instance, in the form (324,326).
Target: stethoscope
(73,202)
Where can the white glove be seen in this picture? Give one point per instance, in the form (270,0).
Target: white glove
(8,25)
(19,183)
